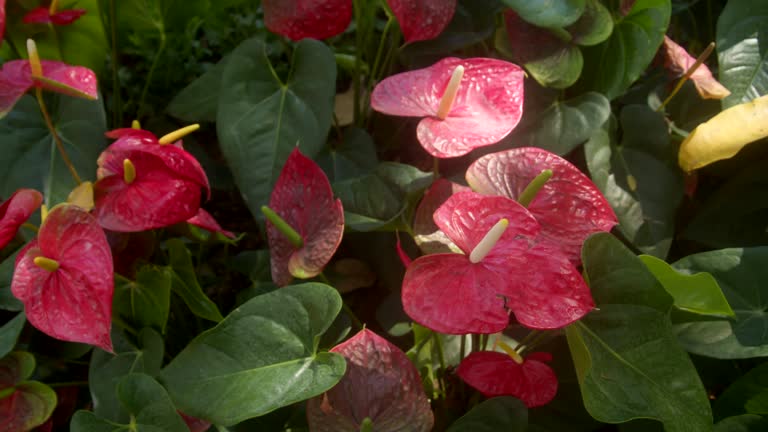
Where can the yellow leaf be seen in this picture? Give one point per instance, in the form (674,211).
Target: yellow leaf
(725,134)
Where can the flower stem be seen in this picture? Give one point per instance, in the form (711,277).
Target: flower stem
(55,134)
(282,226)
(530,191)
(688,74)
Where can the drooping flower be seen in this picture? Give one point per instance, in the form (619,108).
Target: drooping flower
(678,61)
(51,15)
(568,206)
(466,103)
(500,271)
(204,220)
(380,384)
(299,19)
(145,183)
(15,211)
(65,278)
(497,374)
(422,19)
(303,199)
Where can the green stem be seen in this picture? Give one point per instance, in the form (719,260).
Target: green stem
(15,50)
(55,134)
(152,68)
(117,105)
(376,63)
(356,84)
(441,359)
(282,226)
(530,191)
(538,339)
(688,74)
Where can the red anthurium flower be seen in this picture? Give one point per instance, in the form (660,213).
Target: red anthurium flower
(422,19)
(569,206)
(2,21)
(15,211)
(299,19)
(501,270)
(16,79)
(497,374)
(678,61)
(204,220)
(65,279)
(303,198)
(427,235)
(380,384)
(145,185)
(43,15)
(466,103)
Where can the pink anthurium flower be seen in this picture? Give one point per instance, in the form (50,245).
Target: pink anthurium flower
(678,61)
(299,19)
(497,374)
(65,278)
(501,270)
(426,234)
(15,211)
(204,220)
(145,184)
(380,384)
(44,15)
(568,206)
(303,199)
(466,103)
(422,19)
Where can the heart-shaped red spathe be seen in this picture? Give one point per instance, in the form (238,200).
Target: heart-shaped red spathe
(299,19)
(380,383)
(303,198)
(496,374)
(449,294)
(15,211)
(422,19)
(488,105)
(74,302)
(569,206)
(426,233)
(16,79)
(43,15)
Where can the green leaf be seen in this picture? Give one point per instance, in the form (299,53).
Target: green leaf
(612,66)
(742,51)
(199,101)
(377,200)
(594,26)
(106,370)
(147,403)
(7,299)
(698,293)
(261,357)
(84,41)
(354,156)
(261,118)
(552,13)
(747,395)
(743,423)
(185,282)
(146,302)
(10,332)
(741,274)
(30,159)
(497,414)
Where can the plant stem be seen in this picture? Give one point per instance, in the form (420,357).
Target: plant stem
(441,359)
(55,134)
(356,84)
(117,106)
(688,74)
(152,68)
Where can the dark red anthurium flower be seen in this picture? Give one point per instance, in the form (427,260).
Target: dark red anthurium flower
(299,19)
(303,199)
(422,19)
(501,270)
(143,184)
(44,15)
(466,103)
(15,211)
(380,384)
(204,220)
(2,21)
(65,278)
(497,374)
(569,206)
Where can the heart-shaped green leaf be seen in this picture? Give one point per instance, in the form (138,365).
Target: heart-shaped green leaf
(185,283)
(496,414)
(552,13)
(10,332)
(199,101)
(145,302)
(593,26)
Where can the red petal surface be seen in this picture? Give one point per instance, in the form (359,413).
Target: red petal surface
(404,258)
(422,19)
(304,199)
(204,220)
(2,22)
(39,15)
(68,16)
(141,136)
(380,383)
(75,81)
(488,105)
(15,80)
(569,206)
(15,211)
(194,424)
(427,235)
(496,374)
(679,61)
(74,302)
(299,19)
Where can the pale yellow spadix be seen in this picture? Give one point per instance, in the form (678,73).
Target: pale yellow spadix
(135,124)
(46,263)
(43,213)
(178,134)
(34,59)
(82,196)
(510,351)
(446,102)
(54,7)
(489,241)
(129,171)
(725,134)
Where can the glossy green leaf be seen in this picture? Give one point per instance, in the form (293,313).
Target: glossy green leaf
(106,370)
(353,157)
(261,118)
(29,157)
(145,302)
(742,423)
(199,101)
(184,282)
(84,42)
(698,293)
(147,403)
(741,273)
(496,414)
(553,13)
(594,26)
(749,394)
(742,52)
(261,357)
(10,332)
(7,300)
(612,66)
